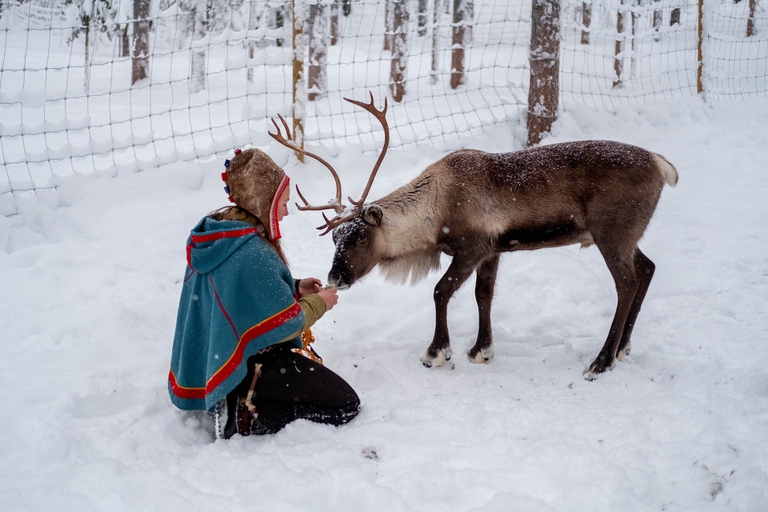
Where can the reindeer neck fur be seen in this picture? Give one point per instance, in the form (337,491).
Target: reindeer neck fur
(407,238)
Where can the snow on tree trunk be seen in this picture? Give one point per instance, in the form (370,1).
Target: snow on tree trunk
(140,61)
(544,58)
(87,57)
(751,19)
(463,11)
(658,16)
(399,50)
(389,22)
(318,35)
(335,22)
(197,52)
(125,42)
(422,18)
(253,25)
(586,20)
(618,60)
(299,79)
(276,20)
(434,74)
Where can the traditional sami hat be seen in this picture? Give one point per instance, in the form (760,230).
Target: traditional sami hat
(255,183)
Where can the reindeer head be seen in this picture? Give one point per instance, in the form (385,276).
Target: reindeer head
(355,242)
(353,228)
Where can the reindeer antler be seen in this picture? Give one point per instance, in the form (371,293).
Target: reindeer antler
(288,142)
(336,205)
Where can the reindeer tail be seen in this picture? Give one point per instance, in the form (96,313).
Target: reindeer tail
(666,169)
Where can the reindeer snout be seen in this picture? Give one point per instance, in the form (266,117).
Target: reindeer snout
(337,282)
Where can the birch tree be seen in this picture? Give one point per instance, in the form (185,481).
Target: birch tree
(399,50)
(198,16)
(319,37)
(94,17)
(140,59)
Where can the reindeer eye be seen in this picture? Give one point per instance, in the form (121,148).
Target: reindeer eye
(362,237)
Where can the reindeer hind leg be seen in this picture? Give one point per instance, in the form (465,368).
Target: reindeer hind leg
(645,269)
(482,351)
(622,267)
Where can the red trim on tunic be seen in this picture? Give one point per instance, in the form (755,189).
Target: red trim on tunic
(223,310)
(224,372)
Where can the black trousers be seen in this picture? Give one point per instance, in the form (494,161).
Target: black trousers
(290,387)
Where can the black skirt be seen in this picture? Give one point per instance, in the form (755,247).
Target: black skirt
(289,387)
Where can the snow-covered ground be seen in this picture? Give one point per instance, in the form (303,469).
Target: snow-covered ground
(91,275)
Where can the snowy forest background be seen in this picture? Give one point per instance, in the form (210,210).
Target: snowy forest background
(100,190)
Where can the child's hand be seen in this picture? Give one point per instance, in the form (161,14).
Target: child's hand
(330,296)
(309,285)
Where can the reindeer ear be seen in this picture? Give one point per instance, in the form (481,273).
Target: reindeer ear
(372,215)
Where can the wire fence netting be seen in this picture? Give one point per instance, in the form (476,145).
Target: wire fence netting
(216,72)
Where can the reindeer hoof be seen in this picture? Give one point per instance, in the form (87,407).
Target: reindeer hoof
(481,356)
(443,355)
(596,368)
(623,353)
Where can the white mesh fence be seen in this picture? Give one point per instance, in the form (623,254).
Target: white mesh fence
(218,71)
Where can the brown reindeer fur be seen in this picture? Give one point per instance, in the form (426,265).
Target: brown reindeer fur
(474,206)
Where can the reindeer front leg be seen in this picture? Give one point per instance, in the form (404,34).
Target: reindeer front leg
(461,268)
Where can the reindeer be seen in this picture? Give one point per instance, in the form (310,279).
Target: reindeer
(474,206)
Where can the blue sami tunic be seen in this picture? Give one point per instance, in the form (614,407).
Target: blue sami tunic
(237,298)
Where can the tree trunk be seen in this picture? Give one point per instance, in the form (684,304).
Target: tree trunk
(544,91)
(399,50)
(199,20)
(253,24)
(586,19)
(461,36)
(299,93)
(632,60)
(389,25)
(277,20)
(422,18)
(87,59)
(658,17)
(674,16)
(435,39)
(140,61)
(751,19)
(125,41)
(317,78)
(469,22)
(618,60)
(335,22)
